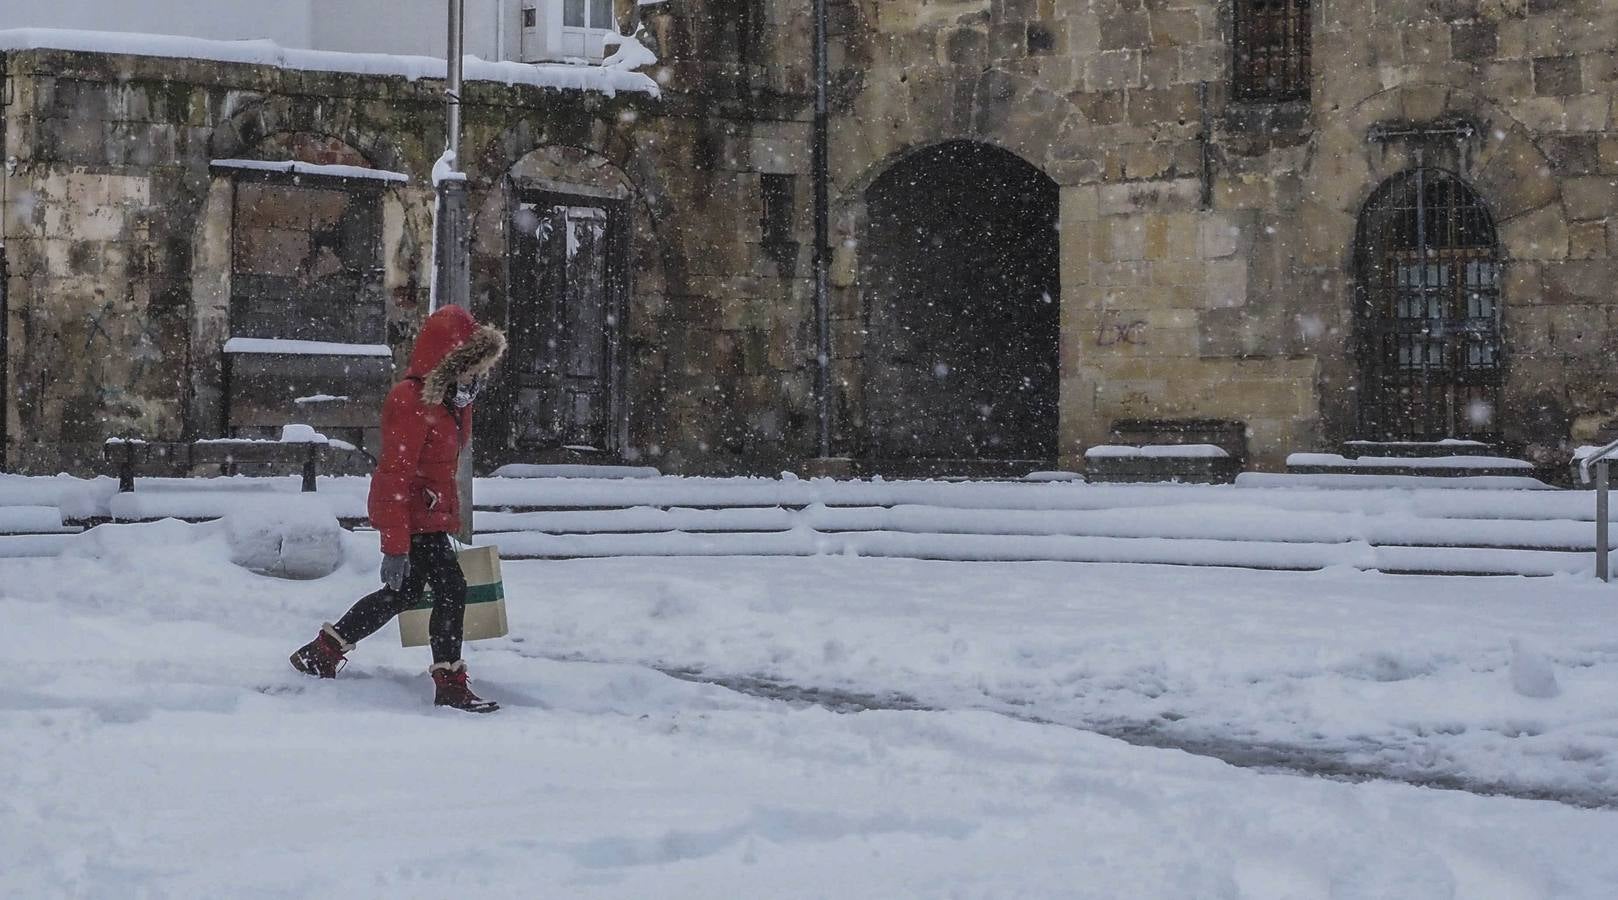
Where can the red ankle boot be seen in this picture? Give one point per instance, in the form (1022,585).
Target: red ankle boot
(322,657)
(451,689)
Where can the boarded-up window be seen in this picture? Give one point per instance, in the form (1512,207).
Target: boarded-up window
(306,259)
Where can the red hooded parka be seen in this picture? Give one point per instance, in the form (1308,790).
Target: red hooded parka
(413,489)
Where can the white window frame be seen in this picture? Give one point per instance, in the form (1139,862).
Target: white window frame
(551,40)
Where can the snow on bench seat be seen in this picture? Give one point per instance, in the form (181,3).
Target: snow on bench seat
(1157,451)
(574,470)
(1407,462)
(148,504)
(1358,481)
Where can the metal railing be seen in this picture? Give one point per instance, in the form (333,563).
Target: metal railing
(1600,458)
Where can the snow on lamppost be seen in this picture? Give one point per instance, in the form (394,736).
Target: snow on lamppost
(452,270)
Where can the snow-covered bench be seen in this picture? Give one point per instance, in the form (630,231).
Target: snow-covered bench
(1456,466)
(300,448)
(1186,463)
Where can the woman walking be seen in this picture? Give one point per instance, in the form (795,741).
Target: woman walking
(426,421)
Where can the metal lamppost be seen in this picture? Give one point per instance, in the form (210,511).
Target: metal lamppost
(452,244)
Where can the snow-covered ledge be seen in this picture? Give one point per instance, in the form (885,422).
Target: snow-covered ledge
(293,167)
(304,348)
(616,74)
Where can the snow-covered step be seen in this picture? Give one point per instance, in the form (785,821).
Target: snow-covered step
(21,520)
(13,546)
(1194,521)
(1434,496)
(1250,554)
(962,547)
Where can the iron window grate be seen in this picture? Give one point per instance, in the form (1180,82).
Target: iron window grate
(1429,311)
(1272,49)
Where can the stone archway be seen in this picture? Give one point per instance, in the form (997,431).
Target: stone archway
(1421,125)
(959,272)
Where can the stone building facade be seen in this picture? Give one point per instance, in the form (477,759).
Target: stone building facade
(1224,254)
(1304,221)
(167,281)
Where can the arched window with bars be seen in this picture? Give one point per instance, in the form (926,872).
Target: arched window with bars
(1428,316)
(1272,50)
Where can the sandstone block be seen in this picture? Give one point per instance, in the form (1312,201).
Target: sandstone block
(1557,76)
(1539,235)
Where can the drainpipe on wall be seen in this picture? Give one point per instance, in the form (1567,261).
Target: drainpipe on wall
(822,235)
(5,279)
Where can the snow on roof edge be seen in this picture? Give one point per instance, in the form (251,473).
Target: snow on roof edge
(604,79)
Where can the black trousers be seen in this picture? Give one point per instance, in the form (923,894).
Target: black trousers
(432,561)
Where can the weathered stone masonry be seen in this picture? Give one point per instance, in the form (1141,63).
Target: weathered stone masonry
(119,234)
(1205,246)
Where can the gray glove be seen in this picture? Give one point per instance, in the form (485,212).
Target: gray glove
(395,568)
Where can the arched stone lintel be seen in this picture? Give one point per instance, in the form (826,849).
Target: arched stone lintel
(1024,119)
(249,126)
(1506,166)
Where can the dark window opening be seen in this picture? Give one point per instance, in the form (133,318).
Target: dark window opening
(530,17)
(776,220)
(1041,40)
(1272,50)
(1429,311)
(776,212)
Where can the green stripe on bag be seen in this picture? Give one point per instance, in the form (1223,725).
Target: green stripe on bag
(475,593)
(485,614)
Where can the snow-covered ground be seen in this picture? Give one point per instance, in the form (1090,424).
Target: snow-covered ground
(153,742)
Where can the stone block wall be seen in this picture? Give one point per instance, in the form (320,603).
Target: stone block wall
(1207,245)
(118,236)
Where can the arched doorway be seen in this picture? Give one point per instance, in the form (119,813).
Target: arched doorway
(571,238)
(961,288)
(1428,315)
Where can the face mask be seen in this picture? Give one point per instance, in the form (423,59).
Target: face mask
(466,393)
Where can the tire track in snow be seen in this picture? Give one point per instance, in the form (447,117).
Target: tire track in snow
(1286,759)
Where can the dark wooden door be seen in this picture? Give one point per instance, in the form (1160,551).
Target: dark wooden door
(565,308)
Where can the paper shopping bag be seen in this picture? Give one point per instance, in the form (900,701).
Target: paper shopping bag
(485,615)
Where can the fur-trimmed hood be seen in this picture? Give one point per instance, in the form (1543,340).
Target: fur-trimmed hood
(452,344)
